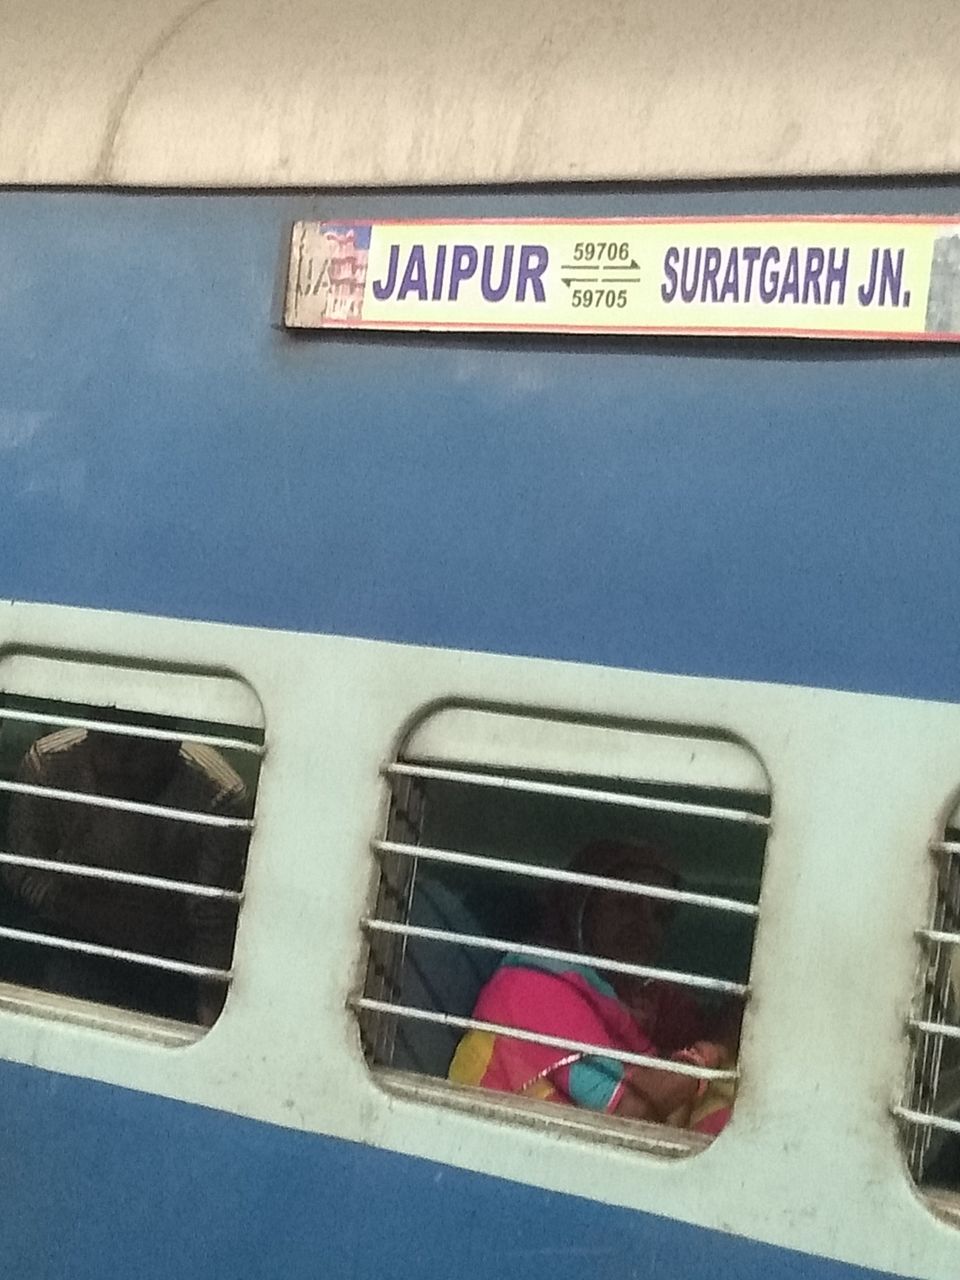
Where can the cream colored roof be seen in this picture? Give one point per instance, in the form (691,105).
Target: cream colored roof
(238,93)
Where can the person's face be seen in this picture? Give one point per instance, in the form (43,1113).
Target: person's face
(132,768)
(627,927)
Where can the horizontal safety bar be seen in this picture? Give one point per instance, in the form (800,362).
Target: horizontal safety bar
(550,1042)
(550,953)
(939,936)
(947,1030)
(120,877)
(556,874)
(131,731)
(945,846)
(927,1120)
(126,806)
(503,782)
(114,953)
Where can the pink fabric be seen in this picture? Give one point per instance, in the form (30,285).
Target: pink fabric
(577,1004)
(566,1005)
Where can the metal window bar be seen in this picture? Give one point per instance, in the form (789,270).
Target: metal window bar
(939,935)
(532,871)
(947,1058)
(386,961)
(936,1008)
(505,782)
(949,1030)
(927,1120)
(951,893)
(86,871)
(923,1067)
(54,942)
(115,953)
(131,731)
(552,1042)
(391,917)
(126,806)
(602,963)
(384,965)
(930,1025)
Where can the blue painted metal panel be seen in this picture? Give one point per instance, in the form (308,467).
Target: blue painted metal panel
(777,512)
(89,1192)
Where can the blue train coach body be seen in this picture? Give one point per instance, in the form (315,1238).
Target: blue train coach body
(750,539)
(748,510)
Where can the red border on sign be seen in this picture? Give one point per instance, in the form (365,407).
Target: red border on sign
(700,331)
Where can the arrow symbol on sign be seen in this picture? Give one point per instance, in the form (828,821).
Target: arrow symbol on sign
(569,280)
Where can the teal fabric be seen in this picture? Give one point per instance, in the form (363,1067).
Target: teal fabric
(595,1082)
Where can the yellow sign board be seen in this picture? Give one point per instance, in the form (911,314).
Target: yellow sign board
(817,277)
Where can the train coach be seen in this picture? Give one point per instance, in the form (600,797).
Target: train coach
(437,441)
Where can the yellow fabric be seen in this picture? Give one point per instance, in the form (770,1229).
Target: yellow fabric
(540,1089)
(470,1062)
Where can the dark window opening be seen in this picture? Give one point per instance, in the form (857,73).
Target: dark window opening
(931,1110)
(495,914)
(124,848)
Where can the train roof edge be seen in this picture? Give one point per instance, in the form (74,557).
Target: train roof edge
(312,93)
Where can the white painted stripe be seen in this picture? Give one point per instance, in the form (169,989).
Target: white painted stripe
(860,784)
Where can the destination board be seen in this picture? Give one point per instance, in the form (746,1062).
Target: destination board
(817,277)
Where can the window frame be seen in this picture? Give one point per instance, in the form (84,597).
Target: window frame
(425,750)
(54,691)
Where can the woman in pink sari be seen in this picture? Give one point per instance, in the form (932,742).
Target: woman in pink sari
(574,1001)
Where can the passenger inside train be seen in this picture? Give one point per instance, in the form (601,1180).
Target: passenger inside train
(609,919)
(603,1006)
(124,836)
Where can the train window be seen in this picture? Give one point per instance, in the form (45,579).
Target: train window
(564,919)
(930,1111)
(124,841)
